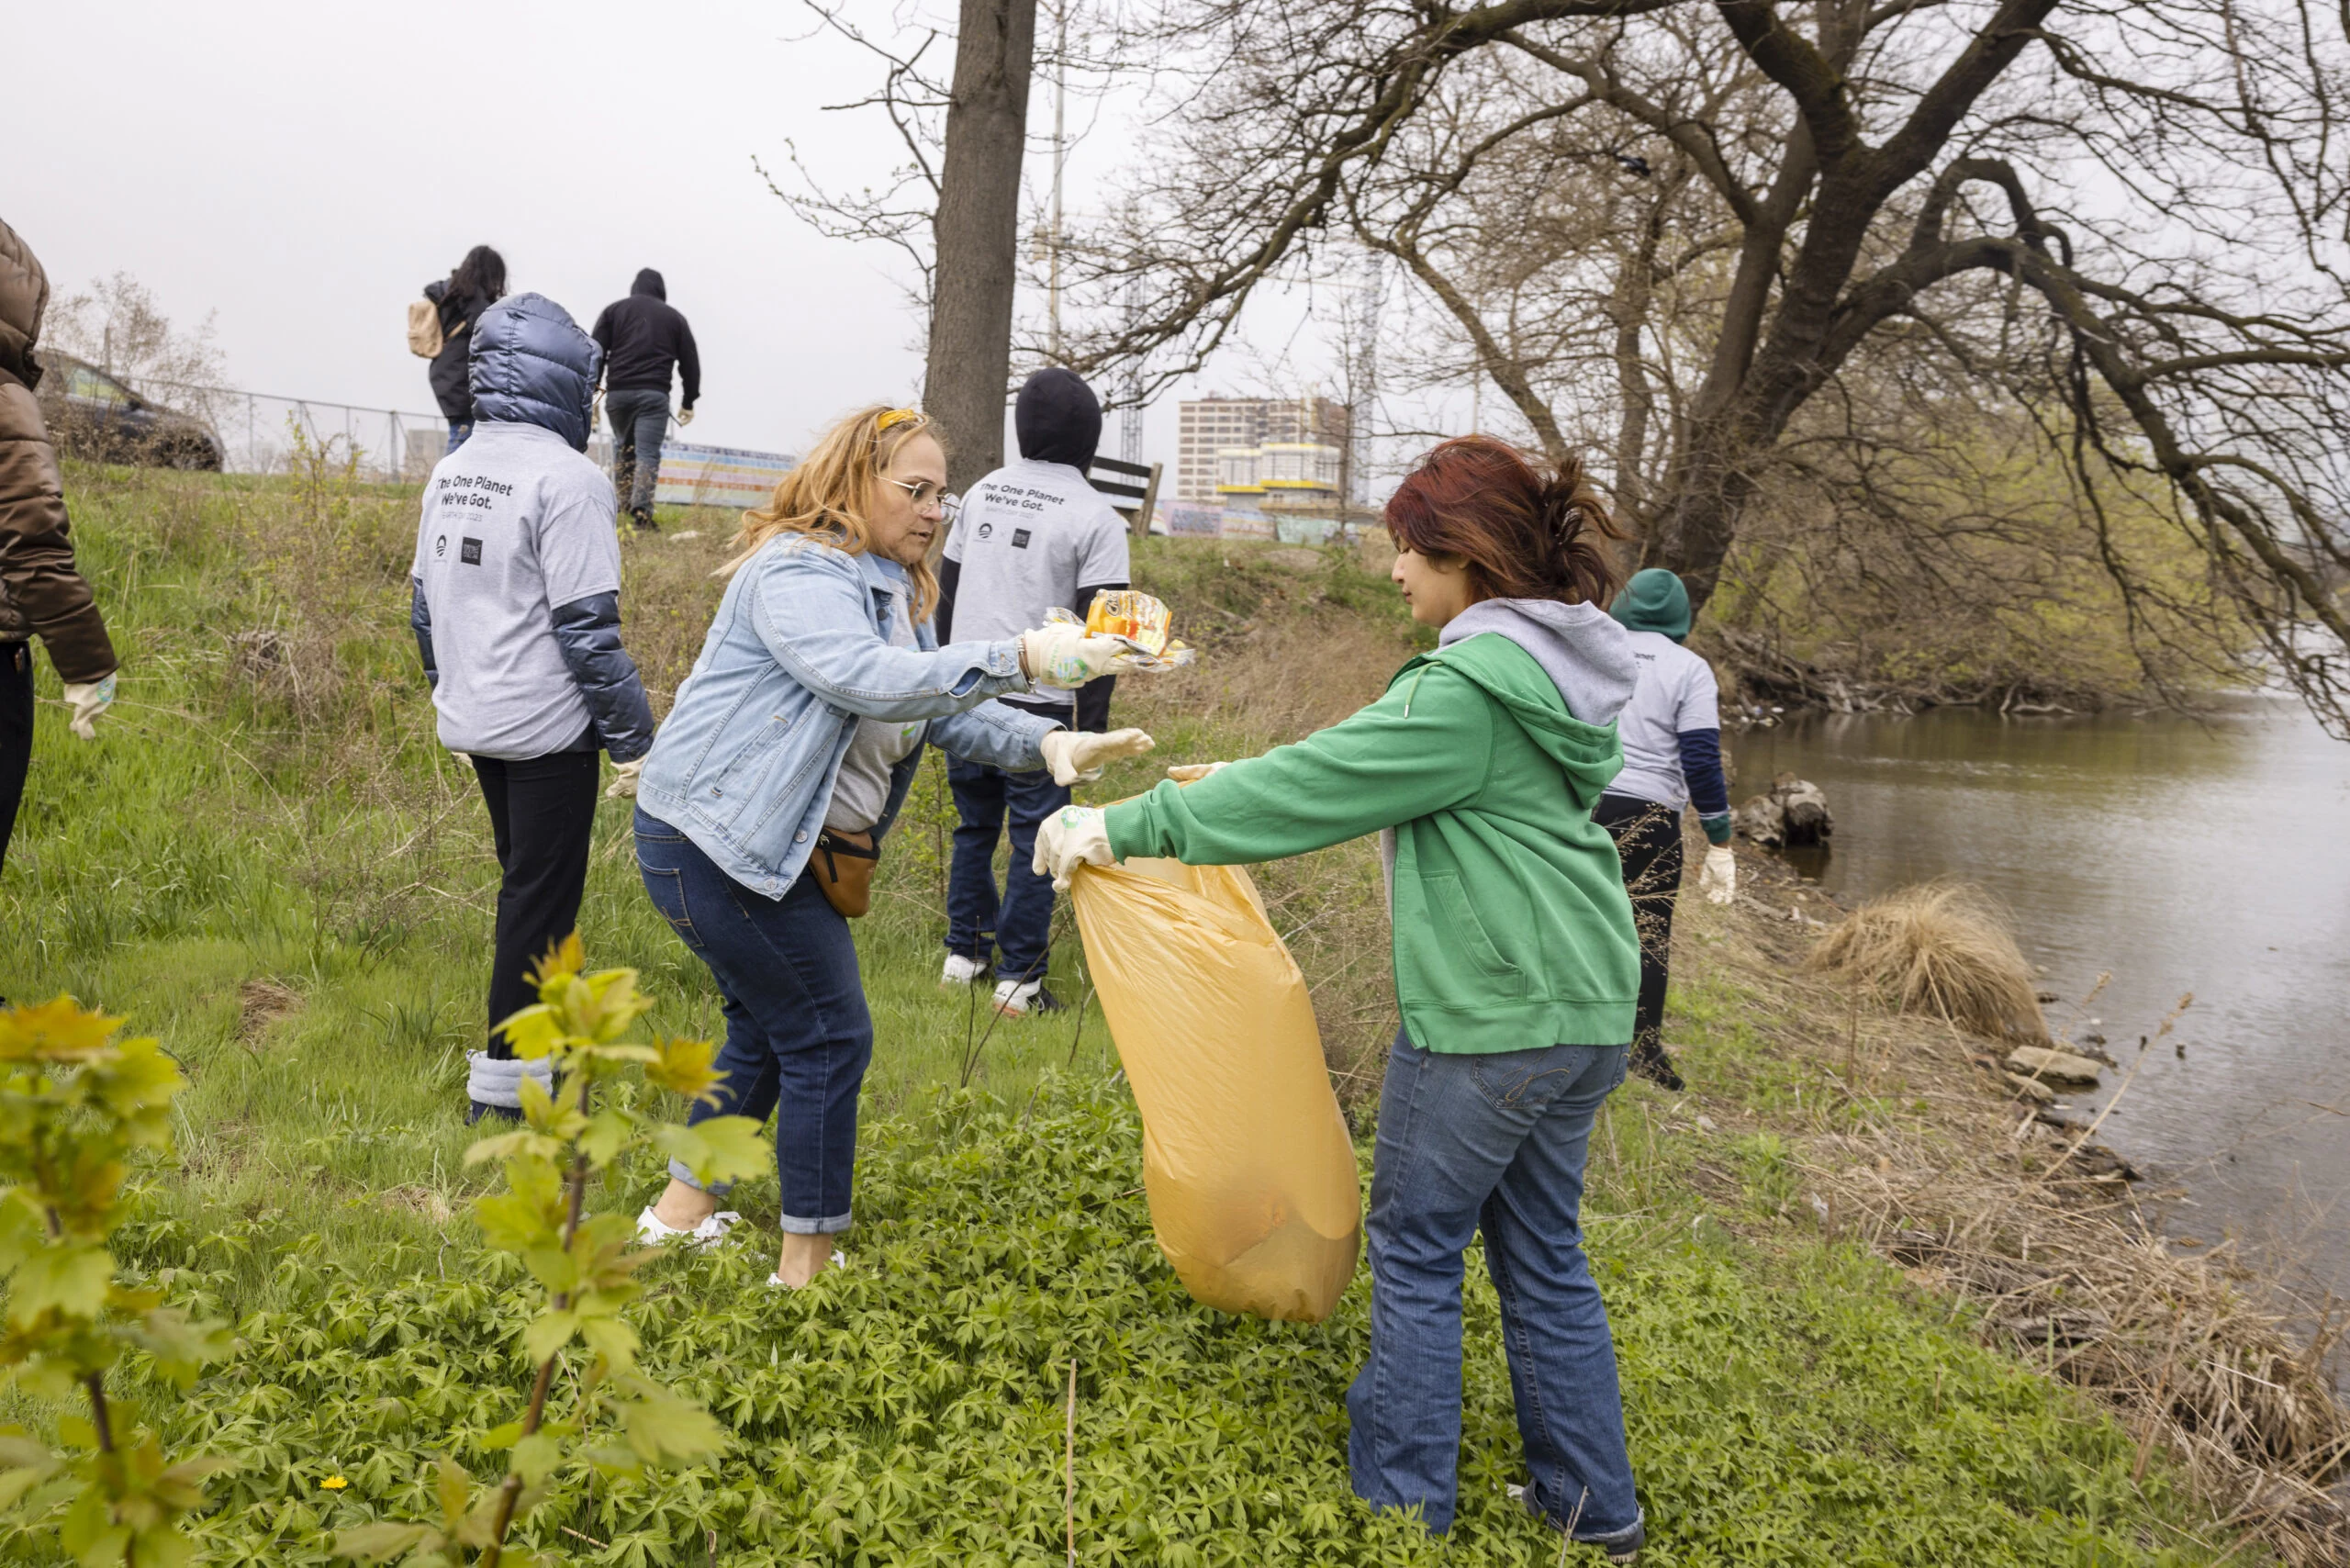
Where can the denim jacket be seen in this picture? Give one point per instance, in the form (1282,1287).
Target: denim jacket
(798,653)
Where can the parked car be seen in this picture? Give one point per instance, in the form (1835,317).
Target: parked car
(91,415)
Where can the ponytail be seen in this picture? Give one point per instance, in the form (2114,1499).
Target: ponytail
(1577,521)
(1523,528)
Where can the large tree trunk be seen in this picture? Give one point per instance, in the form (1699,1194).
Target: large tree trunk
(977,231)
(1695,521)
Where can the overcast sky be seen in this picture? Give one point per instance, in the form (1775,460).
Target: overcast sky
(301,171)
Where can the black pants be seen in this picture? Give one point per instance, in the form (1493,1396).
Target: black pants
(16,734)
(1648,839)
(541,814)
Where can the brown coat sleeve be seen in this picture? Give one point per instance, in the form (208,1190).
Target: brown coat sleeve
(41,593)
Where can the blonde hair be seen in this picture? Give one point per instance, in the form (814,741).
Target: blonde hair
(826,496)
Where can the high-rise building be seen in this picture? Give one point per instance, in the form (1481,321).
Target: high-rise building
(1207,426)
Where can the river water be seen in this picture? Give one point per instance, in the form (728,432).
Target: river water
(2176,856)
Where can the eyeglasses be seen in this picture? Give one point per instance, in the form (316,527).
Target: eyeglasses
(922,492)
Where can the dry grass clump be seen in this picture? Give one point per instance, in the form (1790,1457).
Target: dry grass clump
(1915,1153)
(2191,1354)
(1943,949)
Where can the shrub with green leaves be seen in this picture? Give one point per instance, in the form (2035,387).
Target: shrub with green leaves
(618,1418)
(78,1106)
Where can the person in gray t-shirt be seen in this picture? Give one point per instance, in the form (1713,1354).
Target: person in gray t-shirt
(1030,537)
(515,601)
(1673,757)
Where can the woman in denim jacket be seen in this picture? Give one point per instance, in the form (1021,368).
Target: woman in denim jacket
(818,686)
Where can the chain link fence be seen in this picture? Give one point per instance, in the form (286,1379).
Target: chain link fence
(256,432)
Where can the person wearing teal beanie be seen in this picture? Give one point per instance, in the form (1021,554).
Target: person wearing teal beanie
(1673,758)
(1653,601)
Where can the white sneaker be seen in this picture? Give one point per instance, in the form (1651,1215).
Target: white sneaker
(709,1233)
(960,970)
(1016,997)
(775,1281)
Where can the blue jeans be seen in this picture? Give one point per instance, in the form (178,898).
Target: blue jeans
(640,419)
(458,431)
(1020,922)
(1494,1143)
(798,1034)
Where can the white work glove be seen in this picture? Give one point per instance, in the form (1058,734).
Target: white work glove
(88,700)
(1717,880)
(1193,772)
(1065,658)
(1076,758)
(685,417)
(1070,837)
(623,785)
(465,757)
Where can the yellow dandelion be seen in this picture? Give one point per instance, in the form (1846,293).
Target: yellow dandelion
(334,1484)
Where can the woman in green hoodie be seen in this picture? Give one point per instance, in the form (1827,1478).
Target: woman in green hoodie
(1517,965)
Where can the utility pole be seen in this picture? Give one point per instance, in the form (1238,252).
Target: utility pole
(1130,415)
(1361,350)
(1061,158)
(977,233)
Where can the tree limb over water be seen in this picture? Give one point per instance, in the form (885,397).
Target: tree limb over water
(1732,245)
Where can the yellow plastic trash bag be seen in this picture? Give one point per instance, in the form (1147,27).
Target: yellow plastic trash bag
(1246,1156)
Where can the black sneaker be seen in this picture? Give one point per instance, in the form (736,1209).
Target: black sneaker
(1650,1062)
(642,517)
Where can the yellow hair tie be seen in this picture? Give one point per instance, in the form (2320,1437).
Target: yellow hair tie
(896,417)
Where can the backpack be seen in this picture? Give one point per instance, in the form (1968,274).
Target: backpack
(424,338)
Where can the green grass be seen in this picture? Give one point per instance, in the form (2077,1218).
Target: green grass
(268,862)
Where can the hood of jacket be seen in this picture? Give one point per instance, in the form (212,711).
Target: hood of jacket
(1580,657)
(1057,418)
(533,366)
(649,281)
(24,295)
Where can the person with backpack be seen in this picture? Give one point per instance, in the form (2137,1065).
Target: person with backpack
(444,333)
(644,338)
(1517,966)
(1673,758)
(515,603)
(41,592)
(1030,536)
(767,800)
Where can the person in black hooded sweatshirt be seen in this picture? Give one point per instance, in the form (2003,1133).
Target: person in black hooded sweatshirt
(1031,536)
(477,283)
(644,337)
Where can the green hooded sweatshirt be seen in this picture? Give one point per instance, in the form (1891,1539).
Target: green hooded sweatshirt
(1512,929)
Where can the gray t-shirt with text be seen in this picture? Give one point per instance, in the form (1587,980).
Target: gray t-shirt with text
(1028,536)
(1675,692)
(514,524)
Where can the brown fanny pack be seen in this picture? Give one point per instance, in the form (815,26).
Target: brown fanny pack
(843,864)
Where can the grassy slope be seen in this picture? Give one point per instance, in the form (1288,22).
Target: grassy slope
(269,863)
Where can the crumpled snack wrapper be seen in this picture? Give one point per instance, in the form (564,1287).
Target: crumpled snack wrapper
(1138,620)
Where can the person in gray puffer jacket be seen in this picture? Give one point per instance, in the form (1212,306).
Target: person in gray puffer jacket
(515,603)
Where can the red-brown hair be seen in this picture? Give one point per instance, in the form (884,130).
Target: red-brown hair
(1524,529)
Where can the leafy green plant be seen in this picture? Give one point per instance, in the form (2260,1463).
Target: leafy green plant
(77,1106)
(585,1262)
(1791,1407)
